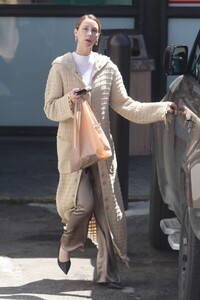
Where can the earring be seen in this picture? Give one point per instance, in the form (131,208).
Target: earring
(96,42)
(75,39)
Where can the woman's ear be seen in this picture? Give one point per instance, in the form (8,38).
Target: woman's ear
(75,33)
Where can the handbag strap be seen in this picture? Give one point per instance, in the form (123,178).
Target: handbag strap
(77,121)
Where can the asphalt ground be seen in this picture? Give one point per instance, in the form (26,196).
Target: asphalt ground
(31,230)
(28,170)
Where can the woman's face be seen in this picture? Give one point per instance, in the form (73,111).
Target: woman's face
(87,34)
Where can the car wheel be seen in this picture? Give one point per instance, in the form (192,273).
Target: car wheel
(189,262)
(158,210)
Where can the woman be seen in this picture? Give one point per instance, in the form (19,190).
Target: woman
(91,198)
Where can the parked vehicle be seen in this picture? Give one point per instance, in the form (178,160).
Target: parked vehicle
(175,180)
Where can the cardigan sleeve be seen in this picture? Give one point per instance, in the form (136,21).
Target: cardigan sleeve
(135,111)
(57,106)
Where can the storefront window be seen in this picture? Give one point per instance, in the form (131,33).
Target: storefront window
(27,48)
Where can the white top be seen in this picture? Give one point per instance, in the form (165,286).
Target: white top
(84,65)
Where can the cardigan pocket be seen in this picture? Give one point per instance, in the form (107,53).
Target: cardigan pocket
(63,150)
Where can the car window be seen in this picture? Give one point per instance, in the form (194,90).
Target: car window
(195,65)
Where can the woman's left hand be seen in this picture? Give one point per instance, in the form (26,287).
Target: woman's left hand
(172,108)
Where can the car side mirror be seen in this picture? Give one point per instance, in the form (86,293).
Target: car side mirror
(175,60)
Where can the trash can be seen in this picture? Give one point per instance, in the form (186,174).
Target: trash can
(140,89)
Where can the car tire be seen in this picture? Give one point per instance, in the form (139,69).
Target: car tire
(158,210)
(189,262)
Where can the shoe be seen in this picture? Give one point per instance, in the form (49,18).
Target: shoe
(64,266)
(112,285)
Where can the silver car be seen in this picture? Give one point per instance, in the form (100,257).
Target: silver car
(174,218)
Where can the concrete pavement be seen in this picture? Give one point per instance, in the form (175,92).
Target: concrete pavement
(29,242)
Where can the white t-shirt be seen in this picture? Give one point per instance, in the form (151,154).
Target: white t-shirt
(85,66)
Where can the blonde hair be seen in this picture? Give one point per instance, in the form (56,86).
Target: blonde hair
(90,16)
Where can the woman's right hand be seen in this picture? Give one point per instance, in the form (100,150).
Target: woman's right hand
(73,96)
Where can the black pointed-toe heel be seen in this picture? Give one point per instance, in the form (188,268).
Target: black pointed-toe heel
(64,266)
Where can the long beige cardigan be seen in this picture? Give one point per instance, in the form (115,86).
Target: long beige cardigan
(108,90)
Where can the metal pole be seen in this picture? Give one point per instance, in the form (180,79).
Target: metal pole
(119,50)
